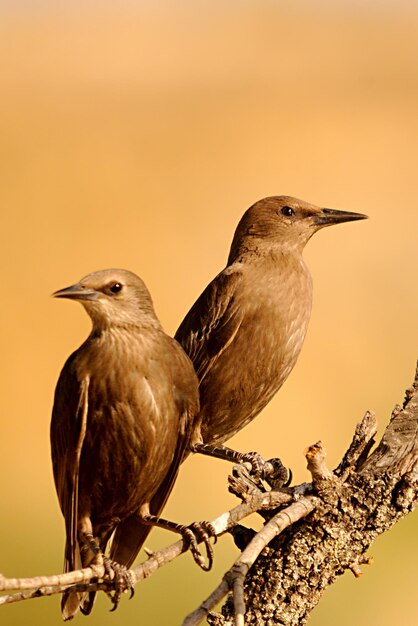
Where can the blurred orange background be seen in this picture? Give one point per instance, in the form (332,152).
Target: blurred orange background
(135,135)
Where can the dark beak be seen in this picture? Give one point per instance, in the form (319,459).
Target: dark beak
(329,216)
(77,292)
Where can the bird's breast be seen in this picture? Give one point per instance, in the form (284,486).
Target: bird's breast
(132,429)
(275,310)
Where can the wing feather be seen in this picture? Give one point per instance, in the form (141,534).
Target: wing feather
(212,322)
(68,429)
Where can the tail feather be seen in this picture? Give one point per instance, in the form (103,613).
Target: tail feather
(131,534)
(73,601)
(129,538)
(70,600)
(70,603)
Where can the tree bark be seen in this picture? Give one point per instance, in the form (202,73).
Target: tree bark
(365,496)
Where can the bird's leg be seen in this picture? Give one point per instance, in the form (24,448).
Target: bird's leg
(242,484)
(192,535)
(122,580)
(227,454)
(89,542)
(276,474)
(272,471)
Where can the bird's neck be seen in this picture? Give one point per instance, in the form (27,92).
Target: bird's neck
(256,251)
(120,344)
(104,327)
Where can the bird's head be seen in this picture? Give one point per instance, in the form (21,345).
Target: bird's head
(112,297)
(283,222)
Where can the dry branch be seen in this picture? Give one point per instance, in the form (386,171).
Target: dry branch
(366,495)
(40,586)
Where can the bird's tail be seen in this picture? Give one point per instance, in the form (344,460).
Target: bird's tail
(73,601)
(70,600)
(130,535)
(129,538)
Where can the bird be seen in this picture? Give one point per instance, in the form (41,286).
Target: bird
(246,330)
(124,408)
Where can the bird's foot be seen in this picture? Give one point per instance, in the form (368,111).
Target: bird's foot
(200,532)
(276,474)
(253,460)
(272,471)
(256,463)
(242,484)
(192,535)
(121,579)
(273,475)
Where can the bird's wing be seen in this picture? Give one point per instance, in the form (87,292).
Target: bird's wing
(212,322)
(68,429)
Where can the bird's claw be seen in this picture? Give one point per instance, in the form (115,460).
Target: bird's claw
(242,484)
(256,463)
(272,471)
(193,534)
(121,579)
(276,474)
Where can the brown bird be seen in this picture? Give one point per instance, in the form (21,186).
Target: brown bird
(245,331)
(123,414)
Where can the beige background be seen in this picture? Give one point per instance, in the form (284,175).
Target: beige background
(134,136)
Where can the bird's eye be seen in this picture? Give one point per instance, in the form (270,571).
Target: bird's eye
(288,211)
(116,287)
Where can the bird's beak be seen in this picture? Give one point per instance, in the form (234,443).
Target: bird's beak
(327,217)
(77,292)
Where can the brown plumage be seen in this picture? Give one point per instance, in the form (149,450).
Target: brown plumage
(123,413)
(245,332)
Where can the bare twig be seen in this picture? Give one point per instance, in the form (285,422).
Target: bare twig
(360,446)
(234,578)
(41,586)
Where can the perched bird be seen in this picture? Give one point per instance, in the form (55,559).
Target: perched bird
(123,414)
(244,333)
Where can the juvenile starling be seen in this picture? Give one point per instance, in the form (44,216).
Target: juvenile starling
(124,408)
(245,331)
